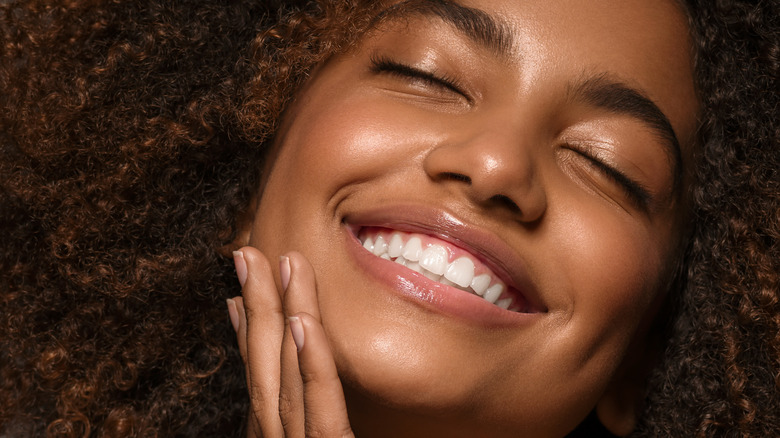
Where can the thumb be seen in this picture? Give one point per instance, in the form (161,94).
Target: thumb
(323,397)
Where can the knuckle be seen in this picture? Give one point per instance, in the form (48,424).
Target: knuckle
(256,391)
(317,427)
(257,412)
(311,377)
(286,405)
(256,396)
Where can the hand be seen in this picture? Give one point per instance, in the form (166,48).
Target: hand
(293,385)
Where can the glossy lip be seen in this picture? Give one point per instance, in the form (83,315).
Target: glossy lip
(435,296)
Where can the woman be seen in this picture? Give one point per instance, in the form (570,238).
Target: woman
(601,190)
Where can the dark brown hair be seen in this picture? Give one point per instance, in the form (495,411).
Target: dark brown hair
(720,374)
(131,138)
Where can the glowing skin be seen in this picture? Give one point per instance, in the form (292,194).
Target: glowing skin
(422,129)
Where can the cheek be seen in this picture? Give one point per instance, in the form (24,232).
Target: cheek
(327,146)
(335,142)
(341,139)
(614,267)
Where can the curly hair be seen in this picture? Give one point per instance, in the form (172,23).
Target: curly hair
(131,141)
(720,374)
(123,170)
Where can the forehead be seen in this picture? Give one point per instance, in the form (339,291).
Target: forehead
(642,43)
(528,20)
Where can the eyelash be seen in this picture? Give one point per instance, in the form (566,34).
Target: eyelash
(636,192)
(389,66)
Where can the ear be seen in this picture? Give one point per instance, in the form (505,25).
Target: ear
(621,404)
(618,408)
(243,230)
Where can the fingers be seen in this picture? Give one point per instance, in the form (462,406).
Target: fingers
(260,332)
(301,292)
(300,295)
(323,397)
(238,319)
(291,375)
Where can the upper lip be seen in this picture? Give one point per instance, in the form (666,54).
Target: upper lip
(444,225)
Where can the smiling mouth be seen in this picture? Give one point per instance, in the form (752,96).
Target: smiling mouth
(442,262)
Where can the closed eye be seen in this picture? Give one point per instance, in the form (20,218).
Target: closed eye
(443,82)
(636,192)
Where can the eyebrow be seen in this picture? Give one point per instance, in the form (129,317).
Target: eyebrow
(609,94)
(478,26)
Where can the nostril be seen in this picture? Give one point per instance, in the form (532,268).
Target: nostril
(456,177)
(506,202)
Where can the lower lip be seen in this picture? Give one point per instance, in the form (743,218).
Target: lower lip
(431,295)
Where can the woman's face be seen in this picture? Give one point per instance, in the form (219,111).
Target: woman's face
(534,149)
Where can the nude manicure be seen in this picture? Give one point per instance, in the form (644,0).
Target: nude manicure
(233,313)
(284,271)
(296,327)
(241,271)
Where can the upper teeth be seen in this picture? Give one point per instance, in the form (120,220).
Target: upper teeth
(432,260)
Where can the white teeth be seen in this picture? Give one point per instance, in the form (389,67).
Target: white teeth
(430,275)
(434,259)
(396,245)
(414,266)
(446,282)
(493,292)
(413,249)
(480,283)
(504,304)
(432,262)
(380,246)
(460,272)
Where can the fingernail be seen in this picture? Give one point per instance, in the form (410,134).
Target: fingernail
(238,259)
(233,313)
(284,271)
(296,327)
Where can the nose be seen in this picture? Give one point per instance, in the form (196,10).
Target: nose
(495,171)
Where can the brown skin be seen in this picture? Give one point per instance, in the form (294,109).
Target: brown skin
(357,140)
